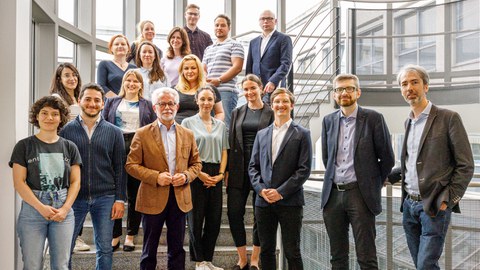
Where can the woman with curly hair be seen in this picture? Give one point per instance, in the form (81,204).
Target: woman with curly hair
(46,174)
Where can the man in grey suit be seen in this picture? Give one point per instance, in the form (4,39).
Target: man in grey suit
(279,166)
(269,55)
(358,156)
(437,165)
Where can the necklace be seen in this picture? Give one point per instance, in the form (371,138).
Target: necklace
(121,65)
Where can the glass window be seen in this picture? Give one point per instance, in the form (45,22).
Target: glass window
(66,50)
(66,10)
(160,13)
(208,12)
(109,16)
(467,43)
(370,52)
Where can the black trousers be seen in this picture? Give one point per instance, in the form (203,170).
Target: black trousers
(205,218)
(133,217)
(290,220)
(345,208)
(236,202)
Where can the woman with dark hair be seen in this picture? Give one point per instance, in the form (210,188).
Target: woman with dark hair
(179,46)
(66,84)
(110,72)
(246,121)
(205,218)
(148,63)
(192,78)
(46,174)
(129,111)
(146,30)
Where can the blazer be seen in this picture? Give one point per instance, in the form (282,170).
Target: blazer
(291,169)
(275,63)
(444,163)
(373,155)
(147,159)
(146,112)
(236,155)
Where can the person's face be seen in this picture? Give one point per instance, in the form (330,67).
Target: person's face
(252,91)
(176,40)
(267,21)
(414,91)
(282,106)
(91,103)
(190,71)
(221,28)
(166,109)
(119,46)
(147,54)
(148,31)
(205,101)
(69,79)
(192,15)
(345,99)
(132,85)
(48,119)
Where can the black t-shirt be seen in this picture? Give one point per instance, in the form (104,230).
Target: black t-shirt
(48,164)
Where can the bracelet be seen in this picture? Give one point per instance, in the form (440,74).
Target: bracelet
(221,173)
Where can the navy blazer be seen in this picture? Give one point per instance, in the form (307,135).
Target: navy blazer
(236,155)
(290,170)
(146,112)
(444,162)
(275,63)
(373,155)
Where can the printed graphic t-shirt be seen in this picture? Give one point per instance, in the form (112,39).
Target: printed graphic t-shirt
(48,164)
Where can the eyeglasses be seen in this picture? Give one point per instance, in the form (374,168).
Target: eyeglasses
(192,14)
(163,105)
(349,89)
(266,19)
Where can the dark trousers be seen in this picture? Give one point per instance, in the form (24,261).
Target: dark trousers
(345,208)
(205,218)
(133,217)
(152,227)
(236,202)
(290,219)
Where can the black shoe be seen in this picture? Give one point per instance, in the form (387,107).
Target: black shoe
(117,246)
(128,248)
(237,267)
(253,267)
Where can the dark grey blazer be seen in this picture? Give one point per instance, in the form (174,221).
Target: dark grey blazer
(236,155)
(445,162)
(373,155)
(290,170)
(146,113)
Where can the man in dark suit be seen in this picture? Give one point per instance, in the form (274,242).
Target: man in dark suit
(270,55)
(358,156)
(279,166)
(437,165)
(164,157)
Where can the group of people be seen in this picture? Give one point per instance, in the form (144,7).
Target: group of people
(165,135)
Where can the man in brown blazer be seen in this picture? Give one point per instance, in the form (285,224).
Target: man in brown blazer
(164,157)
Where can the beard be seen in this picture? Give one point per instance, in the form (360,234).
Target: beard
(346,102)
(92,115)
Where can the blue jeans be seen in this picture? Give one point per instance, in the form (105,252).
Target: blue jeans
(101,211)
(425,234)
(33,229)
(229,102)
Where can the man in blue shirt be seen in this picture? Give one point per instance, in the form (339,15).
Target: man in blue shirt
(103,177)
(358,156)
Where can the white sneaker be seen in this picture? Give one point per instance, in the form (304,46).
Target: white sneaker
(201,266)
(210,266)
(80,245)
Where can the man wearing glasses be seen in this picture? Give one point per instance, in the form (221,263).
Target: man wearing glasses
(358,156)
(199,40)
(269,55)
(164,157)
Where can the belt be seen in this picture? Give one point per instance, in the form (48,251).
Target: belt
(344,187)
(415,198)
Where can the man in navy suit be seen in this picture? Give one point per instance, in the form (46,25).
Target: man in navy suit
(270,55)
(358,156)
(279,166)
